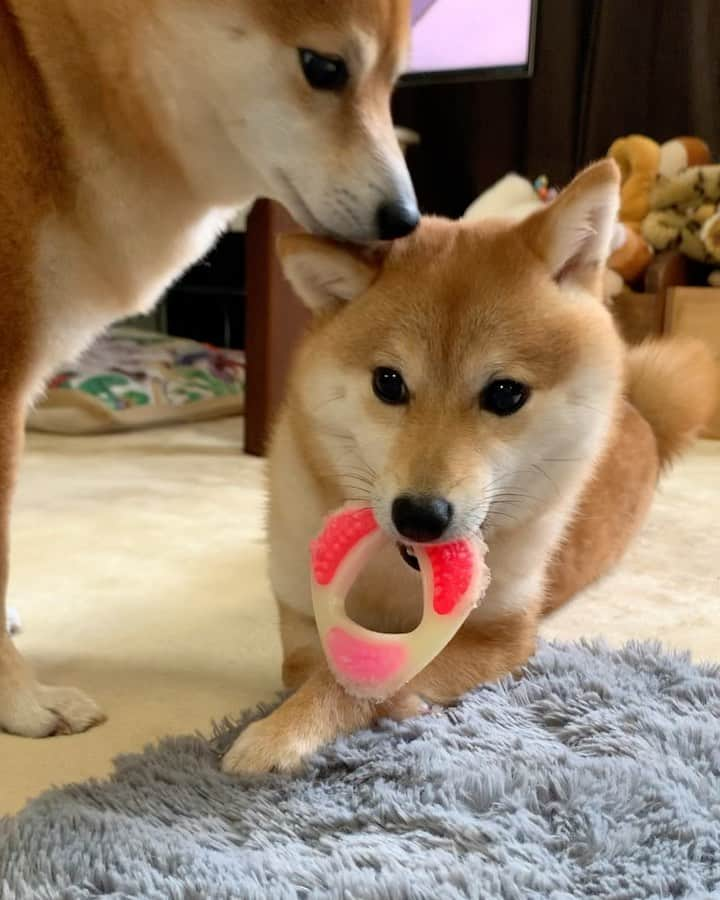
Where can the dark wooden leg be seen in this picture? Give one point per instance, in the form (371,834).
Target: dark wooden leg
(275,320)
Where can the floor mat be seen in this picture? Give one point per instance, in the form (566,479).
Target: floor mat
(597,774)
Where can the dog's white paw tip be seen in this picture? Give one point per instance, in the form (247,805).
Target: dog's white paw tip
(74,711)
(246,759)
(259,751)
(39,711)
(13,620)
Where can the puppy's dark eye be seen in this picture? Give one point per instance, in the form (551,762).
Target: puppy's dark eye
(390,387)
(504,397)
(324,73)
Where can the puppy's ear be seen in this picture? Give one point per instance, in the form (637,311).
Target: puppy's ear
(573,235)
(325,273)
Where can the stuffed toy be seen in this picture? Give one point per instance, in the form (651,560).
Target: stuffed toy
(631,254)
(642,163)
(642,160)
(639,160)
(513,197)
(681,153)
(685,213)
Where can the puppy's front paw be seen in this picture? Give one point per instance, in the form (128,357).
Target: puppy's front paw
(266,746)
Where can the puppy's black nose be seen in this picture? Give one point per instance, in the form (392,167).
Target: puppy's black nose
(420,517)
(397,220)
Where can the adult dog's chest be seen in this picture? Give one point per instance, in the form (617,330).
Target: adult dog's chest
(81,287)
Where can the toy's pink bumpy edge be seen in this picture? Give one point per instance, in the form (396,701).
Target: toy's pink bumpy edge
(453,567)
(340,534)
(364,662)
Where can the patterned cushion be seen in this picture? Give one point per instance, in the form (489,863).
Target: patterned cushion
(137,379)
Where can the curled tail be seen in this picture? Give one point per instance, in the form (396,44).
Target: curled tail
(674,384)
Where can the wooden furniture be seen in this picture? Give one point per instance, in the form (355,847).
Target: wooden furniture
(695,312)
(275,318)
(640,314)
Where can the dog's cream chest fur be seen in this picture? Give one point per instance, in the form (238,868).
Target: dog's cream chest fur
(83,287)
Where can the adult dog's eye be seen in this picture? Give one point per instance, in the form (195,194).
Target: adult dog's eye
(390,387)
(324,73)
(504,397)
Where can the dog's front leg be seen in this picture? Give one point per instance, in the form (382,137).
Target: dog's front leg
(318,712)
(321,711)
(26,707)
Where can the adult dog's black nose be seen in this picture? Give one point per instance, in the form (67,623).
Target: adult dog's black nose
(421,517)
(397,220)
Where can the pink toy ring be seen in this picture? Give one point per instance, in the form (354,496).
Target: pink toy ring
(369,664)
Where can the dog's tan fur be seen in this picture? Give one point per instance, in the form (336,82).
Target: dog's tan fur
(130,132)
(558,489)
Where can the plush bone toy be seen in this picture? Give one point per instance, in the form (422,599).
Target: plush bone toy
(373,665)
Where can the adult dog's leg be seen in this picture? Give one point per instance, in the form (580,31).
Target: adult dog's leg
(27,707)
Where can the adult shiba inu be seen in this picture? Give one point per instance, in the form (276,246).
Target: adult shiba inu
(130,131)
(469,378)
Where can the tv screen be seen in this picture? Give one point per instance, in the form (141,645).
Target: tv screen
(465,39)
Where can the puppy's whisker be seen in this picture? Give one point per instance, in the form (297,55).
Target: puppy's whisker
(455,484)
(335,398)
(603,413)
(495,480)
(518,496)
(357,472)
(356,486)
(356,478)
(491,517)
(539,469)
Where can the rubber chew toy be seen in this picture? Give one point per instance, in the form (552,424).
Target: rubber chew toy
(369,664)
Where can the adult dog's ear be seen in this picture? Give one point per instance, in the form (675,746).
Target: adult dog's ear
(573,235)
(326,273)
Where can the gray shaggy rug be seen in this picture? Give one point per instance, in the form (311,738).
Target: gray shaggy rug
(597,774)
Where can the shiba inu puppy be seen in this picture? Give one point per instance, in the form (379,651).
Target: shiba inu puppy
(131,132)
(468,378)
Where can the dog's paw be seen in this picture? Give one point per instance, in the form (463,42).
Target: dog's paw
(38,711)
(74,711)
(34,710)
(264,747)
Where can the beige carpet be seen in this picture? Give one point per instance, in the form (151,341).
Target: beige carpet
(139,571)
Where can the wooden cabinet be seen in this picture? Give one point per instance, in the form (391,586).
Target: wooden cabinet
(275,319)
(695,312)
